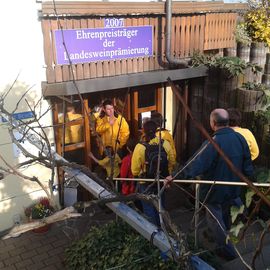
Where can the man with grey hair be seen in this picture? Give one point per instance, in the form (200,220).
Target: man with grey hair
(208,164)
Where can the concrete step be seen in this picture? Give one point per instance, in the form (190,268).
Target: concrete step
(262,261)
(251,239)
(182,217)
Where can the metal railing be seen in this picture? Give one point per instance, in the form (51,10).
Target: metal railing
(197,192)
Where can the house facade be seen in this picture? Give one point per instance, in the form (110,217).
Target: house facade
(85,51)
(22,63)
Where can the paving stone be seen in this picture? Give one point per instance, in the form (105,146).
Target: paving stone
(60,266)
(49,240)
(28,254)
(12,260)
(35,266)
(53,260)
(7,248)
(62,242)
(12,267)
(17,251)
(24,242)
(2,244)
(45,249)
(4,256)
(36,244)
(10,240)
(38,251)
(50,267)
(56,251)
(40,257)
(23,263)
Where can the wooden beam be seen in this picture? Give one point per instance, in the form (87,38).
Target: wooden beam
(121,81)
(134,8)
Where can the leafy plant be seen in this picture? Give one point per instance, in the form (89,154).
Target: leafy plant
(39,210)
(261,118)
(255,86)
(258,24)
(241,34)
(234,66)
(115,245)
(265,98)
(262,175)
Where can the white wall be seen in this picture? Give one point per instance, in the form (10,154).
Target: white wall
(21,52)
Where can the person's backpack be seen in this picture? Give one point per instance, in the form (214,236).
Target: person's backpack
(151,160)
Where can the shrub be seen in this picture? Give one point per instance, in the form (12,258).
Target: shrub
(115,245)
(232,65)
(241,34)
(258,24)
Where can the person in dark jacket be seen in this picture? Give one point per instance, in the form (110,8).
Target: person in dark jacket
(210,166)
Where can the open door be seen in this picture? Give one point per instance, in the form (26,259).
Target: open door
(134,104)
(143,101)
(72,136)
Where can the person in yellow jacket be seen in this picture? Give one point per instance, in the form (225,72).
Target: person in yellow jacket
(139,166)
(109,125)
(165,134)
(235,122)
(73,133)
(106,162)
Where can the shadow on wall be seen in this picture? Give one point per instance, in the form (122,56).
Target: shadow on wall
(16,193)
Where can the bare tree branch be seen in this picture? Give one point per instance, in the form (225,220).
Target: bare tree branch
(5,95)
(66,213)
(23,95)
(33,178)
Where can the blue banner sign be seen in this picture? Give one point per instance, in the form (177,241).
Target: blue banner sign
(100,44)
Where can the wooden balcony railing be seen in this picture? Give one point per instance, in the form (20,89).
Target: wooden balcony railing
(195,27)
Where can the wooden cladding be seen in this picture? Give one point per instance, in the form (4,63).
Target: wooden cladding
(190,33)
(219,30)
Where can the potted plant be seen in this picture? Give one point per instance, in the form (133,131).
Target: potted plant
(252,97)
(39,210)
(243,41)
(258,27)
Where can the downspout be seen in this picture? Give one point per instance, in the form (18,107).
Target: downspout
(168,35)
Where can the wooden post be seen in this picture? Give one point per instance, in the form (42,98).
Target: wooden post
(87,137)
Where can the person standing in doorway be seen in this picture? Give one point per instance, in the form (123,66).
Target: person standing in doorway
(73,133)
(165,134)
(112,127)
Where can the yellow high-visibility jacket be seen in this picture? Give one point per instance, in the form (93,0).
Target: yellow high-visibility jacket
(106,164)
(251,141)
(166,135)
(138,158)
(73,134)
(109,133)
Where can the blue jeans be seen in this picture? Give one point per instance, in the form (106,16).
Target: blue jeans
(148,209)
(222,213)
